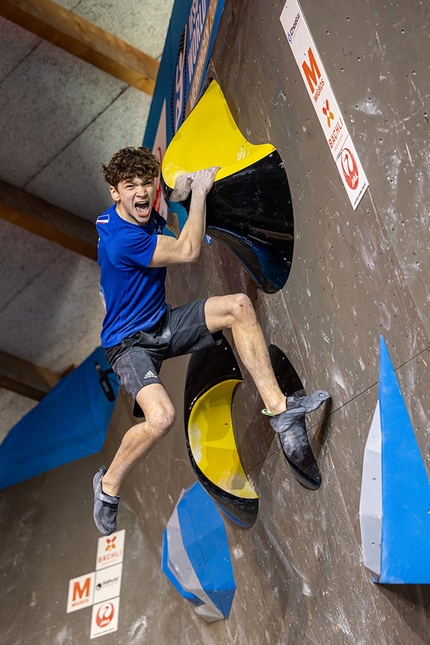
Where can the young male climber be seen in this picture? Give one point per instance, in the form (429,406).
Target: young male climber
(140,330)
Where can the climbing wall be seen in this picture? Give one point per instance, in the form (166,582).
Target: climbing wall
(356,274)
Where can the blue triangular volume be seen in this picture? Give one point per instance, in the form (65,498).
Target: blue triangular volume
(405,549)
(198,561)
(205,540)
(69,423)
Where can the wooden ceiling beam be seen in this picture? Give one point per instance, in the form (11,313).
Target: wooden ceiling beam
(84,40)
(24,378)
(51,222)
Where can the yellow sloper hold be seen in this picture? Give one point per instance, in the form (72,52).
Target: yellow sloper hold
(208,137)
(212,441)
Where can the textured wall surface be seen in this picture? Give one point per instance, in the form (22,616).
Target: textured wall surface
(299,572)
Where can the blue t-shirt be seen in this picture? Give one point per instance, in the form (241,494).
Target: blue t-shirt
(133,293)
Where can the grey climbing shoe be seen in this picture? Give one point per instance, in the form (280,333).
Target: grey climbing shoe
(291,427)
(105,506)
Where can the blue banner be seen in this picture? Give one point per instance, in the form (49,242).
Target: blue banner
(183,67)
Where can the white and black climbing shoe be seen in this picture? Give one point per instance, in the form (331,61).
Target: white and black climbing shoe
(105,506)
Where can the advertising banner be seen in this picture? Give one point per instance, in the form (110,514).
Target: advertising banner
(182,73)
(324,101)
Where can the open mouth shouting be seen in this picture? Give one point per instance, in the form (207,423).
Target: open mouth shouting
(142,208)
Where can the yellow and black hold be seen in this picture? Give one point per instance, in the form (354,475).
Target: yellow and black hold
(249,207)
(212,376)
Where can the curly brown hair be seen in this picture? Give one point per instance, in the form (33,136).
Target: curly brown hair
(129,163)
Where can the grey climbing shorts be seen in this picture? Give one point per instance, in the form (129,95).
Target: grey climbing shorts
(137,360)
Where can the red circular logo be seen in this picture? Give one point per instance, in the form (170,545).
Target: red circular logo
(105,614)
(349,167)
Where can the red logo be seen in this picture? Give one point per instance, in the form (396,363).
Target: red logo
(328,113)
(349,168)
(110,543)
(105,614)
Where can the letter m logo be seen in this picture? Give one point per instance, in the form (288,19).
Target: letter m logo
(311,71)
(81,591)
